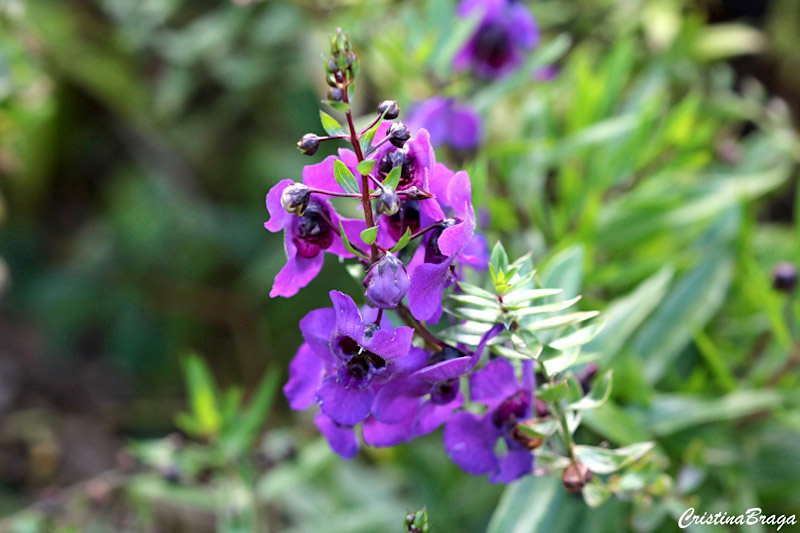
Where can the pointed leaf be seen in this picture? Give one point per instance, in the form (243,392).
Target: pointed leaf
(345,178)
(330,124)
(369,235)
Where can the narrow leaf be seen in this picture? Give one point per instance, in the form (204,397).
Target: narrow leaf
(404,240)
(369,235)
(330,124)
(605,461)
(345,178)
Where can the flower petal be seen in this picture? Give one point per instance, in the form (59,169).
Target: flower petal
(342,440)
(469,441)
(378,434)
(305,375)
(425,292)
(278,216)
(348,318)
(316,328)
(431,416)
(344,406)
(493,383)
(413,361)
(514,465)
(296,273)
(390,344)
(399,399)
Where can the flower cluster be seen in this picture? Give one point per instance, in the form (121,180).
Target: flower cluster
(416,237)
(504,34)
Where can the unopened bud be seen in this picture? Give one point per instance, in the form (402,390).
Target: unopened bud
(389,109)
(335,94)
(415,193)
(576,476)
(294,198)
(308,144)
(417,522)
(398,134)
(528,441)
(386,282)
(388,203)
(784,277)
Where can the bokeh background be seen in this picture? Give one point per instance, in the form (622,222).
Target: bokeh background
(658,167)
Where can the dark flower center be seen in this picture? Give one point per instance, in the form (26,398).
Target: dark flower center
(493,45)
(397,158)
(432,252)
(312,232)
(513,408)
(444,392)
(360,364)
(406,218)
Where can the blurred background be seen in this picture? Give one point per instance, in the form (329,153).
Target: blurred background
(656,164)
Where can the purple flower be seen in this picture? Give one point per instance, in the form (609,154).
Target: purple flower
(506,31)
(344,360)
(448,122)
(386,282)
(443,245)
(418,403)
(415,158)
(308,236)
(470,439)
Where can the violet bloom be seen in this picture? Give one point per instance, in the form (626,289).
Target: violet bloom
(507,31)
(448,123)
(417,160)
(342,364)
(470,439)
(307,237)
(418,403)
(386,282)
(443,245)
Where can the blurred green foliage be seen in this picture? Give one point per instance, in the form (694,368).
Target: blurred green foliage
(137,141)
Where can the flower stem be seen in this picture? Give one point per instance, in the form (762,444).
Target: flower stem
(365,203)
(429,338)
(562,418)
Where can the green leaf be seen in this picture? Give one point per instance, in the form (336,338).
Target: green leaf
(561,320)
(577,338)
(597,396)
(369,235)
(393,178)
(565,271)
(554,393)
(205,418)
(606,461)
(243,433)
(330,124)
(691,303)
(348,246)
(476,291)
(539,429)
(625,314)
(561,362)
(533,504)
(596,492)
(673,412)
(404,240)
(547,308)
(366,166)
(345,178)
(499,258)
(517,297)
(338,106)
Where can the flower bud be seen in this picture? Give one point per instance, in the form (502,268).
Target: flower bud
(417,522)
(784,277)
(388,203)
(415,193)
(308,144)
(294,198)
(389,109)
(576,476)
(528,441)
(386,282)
(335,94)
(398,134)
